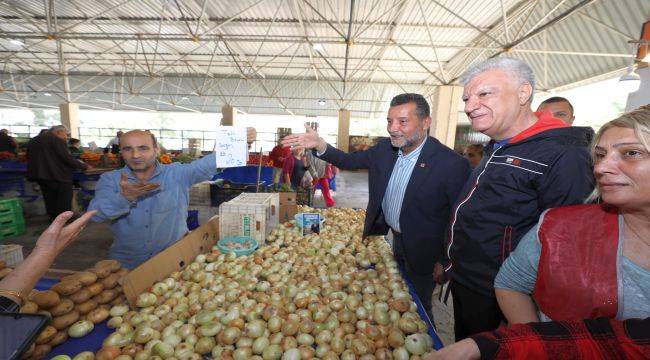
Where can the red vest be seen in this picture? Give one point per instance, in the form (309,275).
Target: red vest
(577,273)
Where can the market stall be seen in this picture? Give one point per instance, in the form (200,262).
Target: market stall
(328,295)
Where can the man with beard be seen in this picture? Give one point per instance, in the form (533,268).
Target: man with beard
(413,182)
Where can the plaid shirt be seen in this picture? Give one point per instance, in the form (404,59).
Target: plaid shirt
(600,338)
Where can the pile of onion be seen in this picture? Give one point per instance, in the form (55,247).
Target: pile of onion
(326,295)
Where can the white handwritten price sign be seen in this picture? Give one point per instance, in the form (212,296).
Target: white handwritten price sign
(231,149)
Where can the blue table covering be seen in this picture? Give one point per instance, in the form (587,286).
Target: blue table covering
(246,174)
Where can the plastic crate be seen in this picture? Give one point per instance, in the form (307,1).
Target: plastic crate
(9,231)
(246,218)
(304,196)
(11,254)
(10,206)
(221,193)
(8,220)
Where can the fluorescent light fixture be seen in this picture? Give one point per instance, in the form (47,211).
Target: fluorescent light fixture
(47,94)
(17,42)
(318,47)
(321,102)
(630,81)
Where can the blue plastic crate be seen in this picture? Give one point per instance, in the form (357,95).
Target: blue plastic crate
(238,239)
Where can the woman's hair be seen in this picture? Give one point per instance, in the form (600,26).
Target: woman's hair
(637,120)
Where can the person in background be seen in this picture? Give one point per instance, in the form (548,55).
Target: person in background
(15,287)
(278,155)
(559,107)
(75,147)
(474,154)
(51,165)
(413,182)
(114,144)
(7,143)
(577,339)
(146,202)
(562,109)
(321,173)
(599,251)
(294,168)
(534,162)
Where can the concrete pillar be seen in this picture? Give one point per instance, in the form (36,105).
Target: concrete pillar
(445,113)
(70,118)
(343,138)
(228,114)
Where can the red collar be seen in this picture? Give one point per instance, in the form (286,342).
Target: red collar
(545,121)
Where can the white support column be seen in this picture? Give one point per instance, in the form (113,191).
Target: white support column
(343,138)
(228,114)
(70,118)
(445,113)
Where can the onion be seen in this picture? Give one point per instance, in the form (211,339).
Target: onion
(407,325)
(229,336)
(163,350)
(291,354)
(260,344)
(242,354)
(274,324)
(395,338)
(272,352)
(255,329)
(416,344)
(401,354)
(305,339)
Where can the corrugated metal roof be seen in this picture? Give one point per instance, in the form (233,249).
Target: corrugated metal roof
(260,51)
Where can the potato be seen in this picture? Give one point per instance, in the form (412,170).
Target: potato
(119,300)
(46,335)
(122,271)
(40,351)
(44,312)
(110,281)
(86,355)
(67,287)
(46,299)
(63,321)
(96,288)
(114,265)
(4,272)
(86,307)
(80,296)
(3,264)
(85,277)
(98,315)
(105,296)
(80,329)
(59,338)
(64,307)
(29,307)
(101,272)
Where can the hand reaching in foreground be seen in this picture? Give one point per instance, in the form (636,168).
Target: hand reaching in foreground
(59,235)
(462,350)
(132,191)
(308,140)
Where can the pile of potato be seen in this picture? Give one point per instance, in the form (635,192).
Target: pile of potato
(75,304)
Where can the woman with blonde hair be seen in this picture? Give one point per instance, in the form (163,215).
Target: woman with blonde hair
(582,262)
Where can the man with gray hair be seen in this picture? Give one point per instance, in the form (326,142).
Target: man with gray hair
(50,164)
(533,162)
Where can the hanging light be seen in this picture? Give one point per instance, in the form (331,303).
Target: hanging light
(630,81)
(321,102)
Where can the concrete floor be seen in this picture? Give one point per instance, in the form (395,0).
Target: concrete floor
(93,244)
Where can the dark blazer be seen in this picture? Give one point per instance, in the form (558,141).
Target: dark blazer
(48,158)
(436,181)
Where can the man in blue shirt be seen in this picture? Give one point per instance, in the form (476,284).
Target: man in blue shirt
(146,202)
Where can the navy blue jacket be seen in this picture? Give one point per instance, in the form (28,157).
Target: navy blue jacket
(435,183)
(507,193)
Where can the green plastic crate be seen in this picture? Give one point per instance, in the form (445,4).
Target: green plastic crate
(10,231)
(9,220)
(10,206)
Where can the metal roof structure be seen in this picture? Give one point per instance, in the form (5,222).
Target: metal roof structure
(307,57)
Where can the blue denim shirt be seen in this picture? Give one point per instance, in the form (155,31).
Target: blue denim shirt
(155,221)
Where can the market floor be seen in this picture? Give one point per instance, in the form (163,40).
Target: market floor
(93,244)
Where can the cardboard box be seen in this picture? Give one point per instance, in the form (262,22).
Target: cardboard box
(288,207)
(171,259)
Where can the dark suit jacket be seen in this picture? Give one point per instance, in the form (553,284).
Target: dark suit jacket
(435,183)
(48,158)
